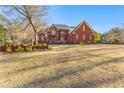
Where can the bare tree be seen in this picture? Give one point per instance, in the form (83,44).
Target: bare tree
(18,35)
(116,35)
(29,16)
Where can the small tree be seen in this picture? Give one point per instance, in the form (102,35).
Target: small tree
(3,32)
(97,38)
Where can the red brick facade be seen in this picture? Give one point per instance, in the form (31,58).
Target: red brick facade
(83,32)
(65,34)
(56,35)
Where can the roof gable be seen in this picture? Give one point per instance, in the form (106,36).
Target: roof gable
(84,22)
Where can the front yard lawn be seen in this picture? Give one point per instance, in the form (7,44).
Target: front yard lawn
(65,66)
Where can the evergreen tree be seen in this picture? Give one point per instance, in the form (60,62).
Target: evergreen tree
(3,32)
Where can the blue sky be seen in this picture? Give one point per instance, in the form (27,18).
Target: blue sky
(100,18)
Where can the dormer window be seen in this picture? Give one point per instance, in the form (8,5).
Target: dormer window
(83,28)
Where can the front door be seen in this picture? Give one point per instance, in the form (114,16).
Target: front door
(62,39)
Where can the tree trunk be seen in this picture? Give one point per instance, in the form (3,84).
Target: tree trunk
(29,18)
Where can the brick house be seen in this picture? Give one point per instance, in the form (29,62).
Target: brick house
(42,36)
(59,33)
(83,32)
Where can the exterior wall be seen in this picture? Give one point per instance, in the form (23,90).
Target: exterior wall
(53,38)
(63,35)
(57,38)
(71,38)
(77,36)
(42,39)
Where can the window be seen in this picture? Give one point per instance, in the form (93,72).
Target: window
(90,37)
(83,37)
(42,38)
(76,36)
(62,38)
(62,33)
(46,37)
(53,32)
(83,28)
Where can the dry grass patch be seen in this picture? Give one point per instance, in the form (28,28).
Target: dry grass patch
(65,66)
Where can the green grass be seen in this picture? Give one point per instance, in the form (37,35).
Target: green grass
(65,66)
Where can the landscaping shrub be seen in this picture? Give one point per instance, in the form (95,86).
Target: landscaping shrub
(49,47)
(94,42)
(13,47)
(19,49)
(29,48)
(82,43)
(8,49)
(89,42)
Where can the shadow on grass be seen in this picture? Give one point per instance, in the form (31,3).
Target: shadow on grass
(68,73)
(59,59)
(94,83)
(16,59)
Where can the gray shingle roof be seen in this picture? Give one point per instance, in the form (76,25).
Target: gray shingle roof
(71,29)
(61,26)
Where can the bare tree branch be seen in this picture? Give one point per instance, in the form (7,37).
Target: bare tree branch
(26,27)
(17,9)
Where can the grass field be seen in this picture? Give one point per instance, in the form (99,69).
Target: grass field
(65,66)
